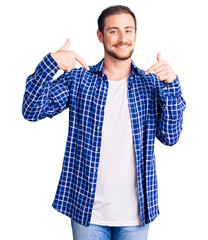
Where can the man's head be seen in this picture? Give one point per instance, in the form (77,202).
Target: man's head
(118,9)
(117,31)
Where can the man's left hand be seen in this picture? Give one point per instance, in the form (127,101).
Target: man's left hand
(163,70)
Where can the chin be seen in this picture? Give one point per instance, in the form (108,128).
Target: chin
(122,57)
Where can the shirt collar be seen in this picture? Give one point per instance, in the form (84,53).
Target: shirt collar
(100,67)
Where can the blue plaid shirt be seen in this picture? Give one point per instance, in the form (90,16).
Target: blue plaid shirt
(156,110)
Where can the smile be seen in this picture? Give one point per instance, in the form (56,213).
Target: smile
(122,47)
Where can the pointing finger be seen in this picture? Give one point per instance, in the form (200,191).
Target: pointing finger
(81,61)
(153,67)
(66,45)
(160,69)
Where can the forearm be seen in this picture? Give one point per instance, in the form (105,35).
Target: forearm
(36,97)
(171,107)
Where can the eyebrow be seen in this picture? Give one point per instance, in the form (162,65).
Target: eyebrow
(110,28)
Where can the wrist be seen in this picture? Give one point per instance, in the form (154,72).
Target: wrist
(49,64)
(54,56)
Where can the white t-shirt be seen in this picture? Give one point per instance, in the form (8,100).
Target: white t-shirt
(116,198)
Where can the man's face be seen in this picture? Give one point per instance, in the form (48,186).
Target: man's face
(119,36)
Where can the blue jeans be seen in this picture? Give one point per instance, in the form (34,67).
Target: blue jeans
(98,232)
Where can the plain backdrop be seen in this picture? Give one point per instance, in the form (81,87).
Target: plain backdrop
(31,154)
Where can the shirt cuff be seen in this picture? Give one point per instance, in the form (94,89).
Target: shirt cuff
(170,89)
(49,66)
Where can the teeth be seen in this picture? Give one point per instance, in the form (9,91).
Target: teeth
(122,46)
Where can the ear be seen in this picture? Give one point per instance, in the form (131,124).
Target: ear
(100,36)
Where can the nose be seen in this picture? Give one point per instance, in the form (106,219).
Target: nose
(122,37)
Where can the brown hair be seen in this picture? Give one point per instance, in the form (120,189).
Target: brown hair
(117,9)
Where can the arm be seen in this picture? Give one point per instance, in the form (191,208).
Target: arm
(44,97)
(169,101)
(170,105)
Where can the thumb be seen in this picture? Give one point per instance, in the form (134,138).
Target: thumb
(66,45)
(159,57)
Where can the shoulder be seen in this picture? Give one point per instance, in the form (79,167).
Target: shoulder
(80,75)
(92,69)
(150,79)
(77,73)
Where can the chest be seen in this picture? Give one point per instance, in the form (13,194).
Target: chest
(90,97)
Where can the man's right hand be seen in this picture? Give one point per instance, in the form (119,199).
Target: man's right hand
(66,59)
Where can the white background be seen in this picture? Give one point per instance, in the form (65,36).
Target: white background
(32,153)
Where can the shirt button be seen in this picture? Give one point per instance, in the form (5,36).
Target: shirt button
(164,88)
(166,107)
(96,149)
(98,128)
(101,106)
(95,170)
(92,189)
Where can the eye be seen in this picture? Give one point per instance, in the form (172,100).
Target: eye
(113,31)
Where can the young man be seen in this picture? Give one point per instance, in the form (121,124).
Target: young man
(108,184)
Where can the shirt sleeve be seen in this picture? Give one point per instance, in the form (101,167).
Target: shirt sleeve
(44,97)
(171,106)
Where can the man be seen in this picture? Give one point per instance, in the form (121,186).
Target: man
(108,184)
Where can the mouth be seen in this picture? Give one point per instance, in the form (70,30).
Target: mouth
(122,46)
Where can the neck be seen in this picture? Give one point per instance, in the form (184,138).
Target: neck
(116,69)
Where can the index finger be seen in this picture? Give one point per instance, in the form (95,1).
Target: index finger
(154,66)
(81,61)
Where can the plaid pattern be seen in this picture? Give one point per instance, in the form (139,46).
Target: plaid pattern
(156,110)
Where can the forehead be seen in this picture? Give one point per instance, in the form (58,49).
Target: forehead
(119,20)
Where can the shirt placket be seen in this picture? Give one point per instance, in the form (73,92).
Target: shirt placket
(135,124)
(100,110)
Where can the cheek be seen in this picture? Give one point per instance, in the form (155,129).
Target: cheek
(133,38)
(110,38)
(133,41)
(108,42)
